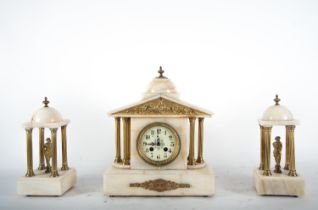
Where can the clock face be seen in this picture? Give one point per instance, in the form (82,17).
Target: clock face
(158,144)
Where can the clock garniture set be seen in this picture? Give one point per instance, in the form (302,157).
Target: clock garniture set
(159,150)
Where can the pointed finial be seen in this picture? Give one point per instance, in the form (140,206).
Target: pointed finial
(277,100)
(45,102)
(161,71)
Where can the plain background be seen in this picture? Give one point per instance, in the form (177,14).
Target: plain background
(89,57)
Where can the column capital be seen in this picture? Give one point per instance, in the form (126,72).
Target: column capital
(290,127)
(266,128)
(28,129)
(192,118)
(53,129)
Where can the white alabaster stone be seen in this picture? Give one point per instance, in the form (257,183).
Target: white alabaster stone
(46,115)
(161,86)
(45,125)
(117,182)
(181,125)
(279,184)
(277,115)
(271,123)
(44,185)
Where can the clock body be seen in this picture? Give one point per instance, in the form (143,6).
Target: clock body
(159,146)
(159,143)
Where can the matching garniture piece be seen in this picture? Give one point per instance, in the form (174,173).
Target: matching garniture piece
(48,179)
(276,181)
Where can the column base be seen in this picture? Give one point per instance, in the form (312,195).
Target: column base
(29,173)
(129,182)
(65,168)
(199,161)
(43,185)
(41,167)
(278,184)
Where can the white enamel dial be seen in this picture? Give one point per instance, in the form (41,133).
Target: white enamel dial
(158,144)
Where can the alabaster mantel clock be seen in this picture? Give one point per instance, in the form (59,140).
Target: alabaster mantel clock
(158,137)
(48,179)
(278,180)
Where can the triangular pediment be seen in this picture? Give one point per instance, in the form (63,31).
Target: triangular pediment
(161,106)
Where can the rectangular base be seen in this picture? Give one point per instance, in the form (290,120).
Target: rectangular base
(278,184)
(187,182)
(43,185)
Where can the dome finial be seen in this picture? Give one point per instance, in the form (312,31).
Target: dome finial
(46,102)
(277,100)
(161,71)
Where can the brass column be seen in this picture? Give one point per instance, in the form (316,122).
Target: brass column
(64,149)
(290,132)
(287,149)
(29,172)
(191,144)
(54,172)
(200,142)
(129,138)
(41,152)
(267,150)
(117,142)
(126,128)
(262,147)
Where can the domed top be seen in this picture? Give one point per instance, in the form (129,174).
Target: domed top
(277,112)
(161,85)
(46,114)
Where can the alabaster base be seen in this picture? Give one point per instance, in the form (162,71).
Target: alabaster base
(142,182)
(44,185)
(279,184)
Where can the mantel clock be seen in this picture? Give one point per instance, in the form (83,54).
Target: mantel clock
(155,146)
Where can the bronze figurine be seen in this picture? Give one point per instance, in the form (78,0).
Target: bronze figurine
(48,152)
(277,154)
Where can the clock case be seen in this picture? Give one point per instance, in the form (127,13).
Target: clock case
(131,175)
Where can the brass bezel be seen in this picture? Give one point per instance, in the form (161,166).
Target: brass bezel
(173,156)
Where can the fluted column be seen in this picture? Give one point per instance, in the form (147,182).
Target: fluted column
(29,172)
(292,166)
(126,128)
(117,142)
(64,149)
(262,147)
(41,152)
(54,172)
(191,160)
(200,141)
(287,150)
(267,150)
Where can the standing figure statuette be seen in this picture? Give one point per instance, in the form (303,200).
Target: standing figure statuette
(277,154)
(48,152)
